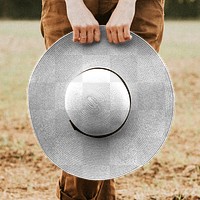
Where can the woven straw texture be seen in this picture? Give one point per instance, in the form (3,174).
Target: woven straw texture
(145,129)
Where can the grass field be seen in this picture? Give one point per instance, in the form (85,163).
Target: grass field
(25,172)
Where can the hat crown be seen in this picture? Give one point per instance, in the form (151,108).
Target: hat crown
(97,102)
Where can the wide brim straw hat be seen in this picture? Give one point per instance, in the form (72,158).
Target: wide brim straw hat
(100,110)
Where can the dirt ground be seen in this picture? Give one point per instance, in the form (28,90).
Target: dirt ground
(25,171)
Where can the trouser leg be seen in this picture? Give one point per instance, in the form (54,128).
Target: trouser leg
(148,21)
(54,21)
(71,187)
(54,25)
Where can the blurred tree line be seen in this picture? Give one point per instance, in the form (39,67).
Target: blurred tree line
(31,9)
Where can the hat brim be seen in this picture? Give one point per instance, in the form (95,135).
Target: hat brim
(148,123)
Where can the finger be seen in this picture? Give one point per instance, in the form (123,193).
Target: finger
(114,36)
(90,35)
(120,34)
(108,33)
(76,34)
(127,35)
(83,36)
(97,34)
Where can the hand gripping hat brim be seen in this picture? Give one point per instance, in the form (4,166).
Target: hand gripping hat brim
(145,129)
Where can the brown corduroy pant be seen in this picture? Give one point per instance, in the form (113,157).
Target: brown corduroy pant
(148,23)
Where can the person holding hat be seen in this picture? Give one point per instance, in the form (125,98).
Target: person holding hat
(83,17)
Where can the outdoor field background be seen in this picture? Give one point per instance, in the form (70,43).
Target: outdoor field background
(26,173)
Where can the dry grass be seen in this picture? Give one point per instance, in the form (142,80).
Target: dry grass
(175,171)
